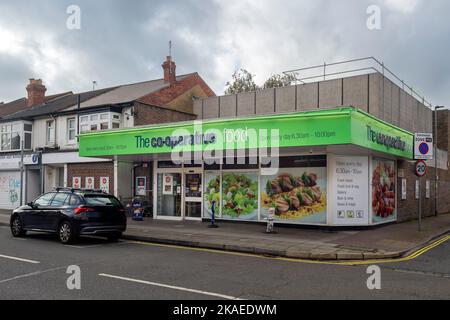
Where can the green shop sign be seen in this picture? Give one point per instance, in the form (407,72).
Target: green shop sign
(317,128)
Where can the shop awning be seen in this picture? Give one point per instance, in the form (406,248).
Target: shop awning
(342,126)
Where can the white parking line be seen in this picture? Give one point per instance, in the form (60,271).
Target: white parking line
(217,295)
(19,259)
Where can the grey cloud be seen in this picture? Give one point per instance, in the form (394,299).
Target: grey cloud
(126,41)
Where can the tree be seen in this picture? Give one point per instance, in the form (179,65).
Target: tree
(243,81)
(279,80)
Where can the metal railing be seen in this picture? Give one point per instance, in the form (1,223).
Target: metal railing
(350,69)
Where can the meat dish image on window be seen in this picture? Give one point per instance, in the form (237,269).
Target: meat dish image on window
(383,191)
(295,197)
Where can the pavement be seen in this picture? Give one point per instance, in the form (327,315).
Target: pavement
(387,242)
(38,267)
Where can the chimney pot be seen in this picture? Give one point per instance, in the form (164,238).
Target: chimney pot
(36,92)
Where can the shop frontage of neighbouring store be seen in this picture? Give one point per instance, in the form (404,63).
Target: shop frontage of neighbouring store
(333,167)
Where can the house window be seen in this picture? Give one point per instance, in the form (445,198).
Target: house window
(11,136)
(71,130)
(98,122)
(50,132)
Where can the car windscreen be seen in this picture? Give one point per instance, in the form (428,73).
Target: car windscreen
(99,200)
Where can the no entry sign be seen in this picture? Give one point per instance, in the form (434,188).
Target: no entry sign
(423,146)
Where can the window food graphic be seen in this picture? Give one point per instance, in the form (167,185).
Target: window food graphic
(212,193)
(240,196)
(297,194)
(383,191)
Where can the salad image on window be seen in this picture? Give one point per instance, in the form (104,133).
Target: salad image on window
(295,197)
(240,196)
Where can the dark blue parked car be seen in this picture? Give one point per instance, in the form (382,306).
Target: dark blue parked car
(70,213)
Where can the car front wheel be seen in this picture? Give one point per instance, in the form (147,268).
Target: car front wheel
(17,227)
(66,233)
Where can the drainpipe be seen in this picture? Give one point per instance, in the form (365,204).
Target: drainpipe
(21,169)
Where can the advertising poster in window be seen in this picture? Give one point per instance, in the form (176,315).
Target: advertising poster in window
(104,184)
(141,186)
(90,184)
(167,184)
(383,191)
(297,194)
(76,182)
(349,192)
(212,193)
(240,196)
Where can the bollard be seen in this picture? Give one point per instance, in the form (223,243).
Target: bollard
(213,216)
(270,221)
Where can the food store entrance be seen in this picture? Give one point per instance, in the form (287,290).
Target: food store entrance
(179,192)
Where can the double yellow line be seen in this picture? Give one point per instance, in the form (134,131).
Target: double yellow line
(411,256)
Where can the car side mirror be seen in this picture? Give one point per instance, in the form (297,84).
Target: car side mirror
(31,204)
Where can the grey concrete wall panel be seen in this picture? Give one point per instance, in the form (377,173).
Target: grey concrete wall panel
(330,94)
(246,104)
(307,96)
(375,82)
(211,108)
(395,105)
(228,106)
(285,99)
(265,101)
(387,104)
(356,92)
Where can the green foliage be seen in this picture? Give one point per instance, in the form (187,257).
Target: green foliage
(243,81)
(279,80)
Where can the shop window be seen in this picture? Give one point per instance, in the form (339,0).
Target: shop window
(240,196)
(240,164)
(168,165)
(298,192)
(298,161)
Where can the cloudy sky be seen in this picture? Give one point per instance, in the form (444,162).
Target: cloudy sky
(126,41)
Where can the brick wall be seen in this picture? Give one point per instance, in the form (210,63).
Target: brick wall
(146,114)
(95,169)
(193,85)
(409,209)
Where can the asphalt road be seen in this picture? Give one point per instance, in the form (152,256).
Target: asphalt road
(129,270)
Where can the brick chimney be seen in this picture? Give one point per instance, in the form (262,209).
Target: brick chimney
(169,68)
(36,92)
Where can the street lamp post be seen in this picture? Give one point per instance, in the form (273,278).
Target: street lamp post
(436,176)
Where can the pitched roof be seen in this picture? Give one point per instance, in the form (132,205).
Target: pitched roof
(54,105)
(108,96)
(130,92)
(21,104)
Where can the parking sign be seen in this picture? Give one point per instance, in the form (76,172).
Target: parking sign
(423,146)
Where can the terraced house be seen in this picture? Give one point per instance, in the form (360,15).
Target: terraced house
(44,130)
